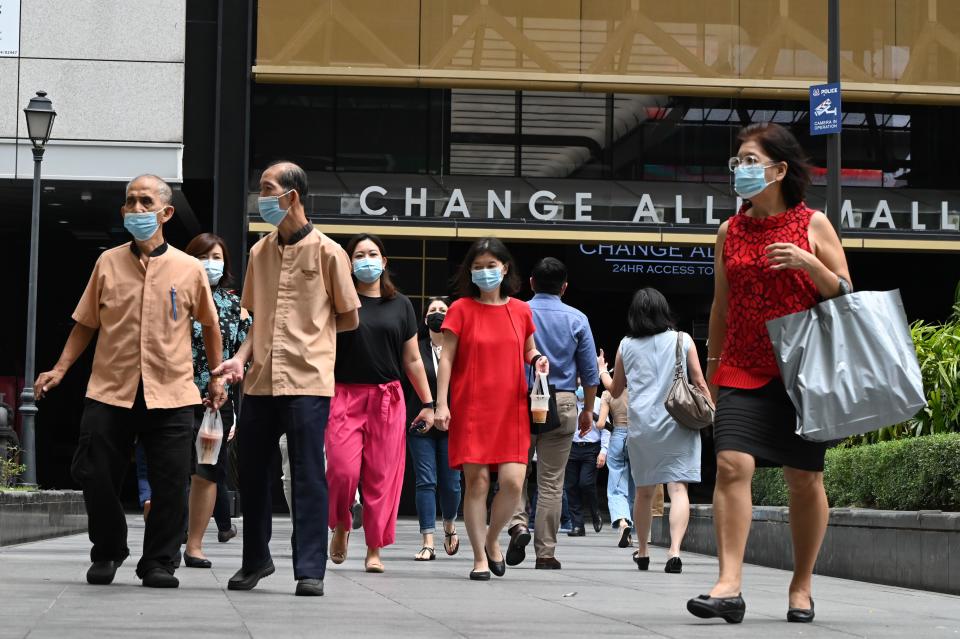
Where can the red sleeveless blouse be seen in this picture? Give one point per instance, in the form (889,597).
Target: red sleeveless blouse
(758,294)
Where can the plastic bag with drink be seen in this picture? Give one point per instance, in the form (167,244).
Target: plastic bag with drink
(210,438)
(539,399)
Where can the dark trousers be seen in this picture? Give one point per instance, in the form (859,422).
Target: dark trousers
(580,481)
(100,462)
(304,420)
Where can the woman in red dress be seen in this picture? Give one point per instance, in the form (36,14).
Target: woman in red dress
(775,257)
(488,337)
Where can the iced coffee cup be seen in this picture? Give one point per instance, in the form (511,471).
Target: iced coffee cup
(209,448)
(539,399)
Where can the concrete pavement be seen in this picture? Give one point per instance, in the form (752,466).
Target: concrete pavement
(598,593)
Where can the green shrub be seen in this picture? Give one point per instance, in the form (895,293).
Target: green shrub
(920,473)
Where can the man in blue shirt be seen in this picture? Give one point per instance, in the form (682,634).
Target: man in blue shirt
(563,335)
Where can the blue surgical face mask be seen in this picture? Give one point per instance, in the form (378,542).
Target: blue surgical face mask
(214,269)
(142,226)
(368,269)
(269,207)
(487,279)
(749,181)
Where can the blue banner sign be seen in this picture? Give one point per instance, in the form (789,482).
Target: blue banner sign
(825,112)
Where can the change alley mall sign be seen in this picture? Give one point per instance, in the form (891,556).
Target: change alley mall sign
(863,211)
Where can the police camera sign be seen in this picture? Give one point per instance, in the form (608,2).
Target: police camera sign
(825,112)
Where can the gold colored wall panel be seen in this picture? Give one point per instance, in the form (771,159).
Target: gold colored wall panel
(892,50)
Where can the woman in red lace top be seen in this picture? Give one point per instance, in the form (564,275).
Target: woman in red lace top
(775,257)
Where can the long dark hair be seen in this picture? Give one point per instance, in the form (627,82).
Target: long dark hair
(387,288)
(203,244)
(781,146)
(649,314)
(464,284)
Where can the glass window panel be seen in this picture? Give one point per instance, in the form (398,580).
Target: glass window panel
(483,132)
(564,134)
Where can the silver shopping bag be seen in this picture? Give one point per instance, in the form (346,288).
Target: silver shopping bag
(849,365)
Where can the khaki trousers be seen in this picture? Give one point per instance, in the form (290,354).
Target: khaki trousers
(552,450)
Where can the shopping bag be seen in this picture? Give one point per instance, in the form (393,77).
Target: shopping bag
(209,437)
(849,365)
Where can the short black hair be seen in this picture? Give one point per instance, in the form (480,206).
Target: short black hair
(463,281)
(292,177)
(549,276)
(649,314)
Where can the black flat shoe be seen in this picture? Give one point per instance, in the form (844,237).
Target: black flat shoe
(730,609)
(196,562)
(625,541)
(577,532)
(643,563)
(247,580)
(801,615)
(356,515)
(101,573)
(499,568)
(674,565)
(160,578)
(516,552)
(479,575)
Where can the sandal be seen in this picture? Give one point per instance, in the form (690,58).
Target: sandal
(431,554)
(448,542)
(375,568)
(340,557)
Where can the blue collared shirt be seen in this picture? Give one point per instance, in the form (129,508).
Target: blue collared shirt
(564,336)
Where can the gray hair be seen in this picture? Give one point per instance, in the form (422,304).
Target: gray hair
(163,189)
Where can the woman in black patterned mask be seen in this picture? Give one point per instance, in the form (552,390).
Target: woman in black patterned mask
(429,450)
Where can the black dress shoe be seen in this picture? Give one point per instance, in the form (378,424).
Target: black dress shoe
(801,615)
(246,580)
(519,538)
(577,531)
(196,562)
(499,568)
(674,565)
(479,575)
(310,588)
(625,541)
(643,563)
(547,563)
(223,536)
(356,515)
(730,609)
(101,573)
(160,578)
(597,522)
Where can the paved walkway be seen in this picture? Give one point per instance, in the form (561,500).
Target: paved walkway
(599,593)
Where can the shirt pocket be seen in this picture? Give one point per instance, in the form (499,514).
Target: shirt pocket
(309,274)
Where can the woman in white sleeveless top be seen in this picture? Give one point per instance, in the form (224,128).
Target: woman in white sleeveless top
(660,450)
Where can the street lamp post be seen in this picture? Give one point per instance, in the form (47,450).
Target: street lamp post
(40,115)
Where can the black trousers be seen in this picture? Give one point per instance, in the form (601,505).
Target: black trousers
(262,420)
(103,454)
(580,481)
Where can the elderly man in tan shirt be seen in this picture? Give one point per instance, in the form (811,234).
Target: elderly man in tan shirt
(140,298)
(299,289)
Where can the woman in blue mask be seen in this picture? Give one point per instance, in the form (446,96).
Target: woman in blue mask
(482,394)
(208,485)
(365,436)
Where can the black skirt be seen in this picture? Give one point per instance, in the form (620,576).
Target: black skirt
(762,422)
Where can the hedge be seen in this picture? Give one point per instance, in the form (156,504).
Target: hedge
(920,473)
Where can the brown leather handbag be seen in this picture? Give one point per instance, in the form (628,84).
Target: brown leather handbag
(685,403)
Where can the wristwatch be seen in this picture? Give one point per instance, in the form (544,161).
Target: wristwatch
(430,404)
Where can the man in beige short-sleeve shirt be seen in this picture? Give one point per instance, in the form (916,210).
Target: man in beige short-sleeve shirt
(299,288)
(141,299)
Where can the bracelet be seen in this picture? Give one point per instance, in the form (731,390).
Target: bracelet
(714,359)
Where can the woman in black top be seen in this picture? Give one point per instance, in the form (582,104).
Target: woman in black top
(365,432)
(429,450)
